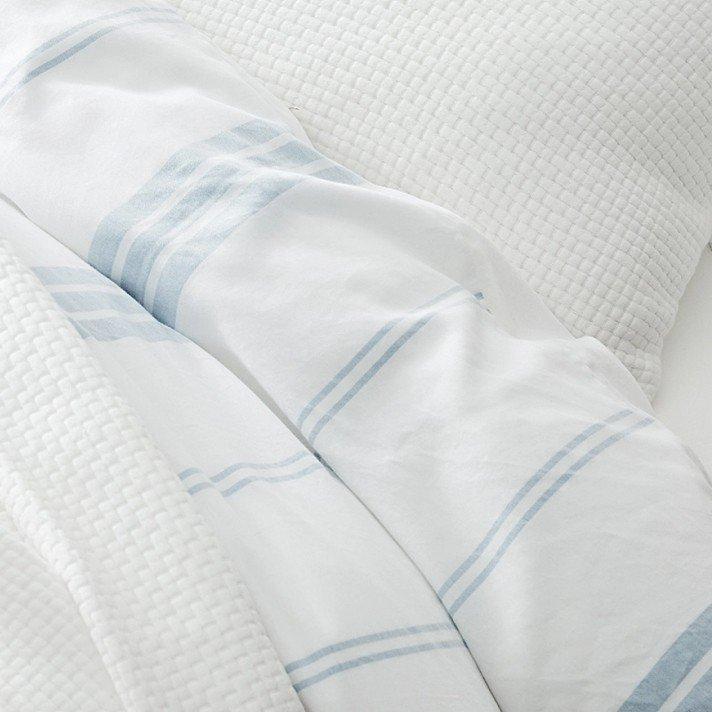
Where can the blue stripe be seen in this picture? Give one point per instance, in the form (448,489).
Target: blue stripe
(240,484)
(199,487)
(114,328)
(401,341)
(213,186)
(365,640)
(147,246)
(362,353)
(54,276)
(699,698)
(181,265)
(112,229)
(673,667)
(245,481)
(537,506)
(74,29)
(188,473)
(375,657)
(93,301)
(521,494)
(259,465)
(67,54)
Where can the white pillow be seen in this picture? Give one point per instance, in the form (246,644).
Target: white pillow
(577,135)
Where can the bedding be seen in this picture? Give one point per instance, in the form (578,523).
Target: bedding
(436,496)
(574,135)
(684,401)
(115,594)
(336,594)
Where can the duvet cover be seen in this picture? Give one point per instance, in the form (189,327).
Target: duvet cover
(437,499)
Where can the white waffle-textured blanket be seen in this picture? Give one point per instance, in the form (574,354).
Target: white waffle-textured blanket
(115,596)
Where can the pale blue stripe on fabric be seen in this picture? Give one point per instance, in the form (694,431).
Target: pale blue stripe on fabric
(363,352)
(96,301)
(539,504)
(61,276)
(391,351)
(365,640)
(549,465)
(189,472)
(375,657)
(199,487)
(209,190)
(156,191)
(236,467)
(114,328)
(68,53)
(147,246)
(673,667)
(113,228)
(181,265)
(76,28)
(259,465)
(275,479)
(699,697)
(245,481)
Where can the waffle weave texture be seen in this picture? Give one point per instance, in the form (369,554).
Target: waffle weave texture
(115,596)
(577,136)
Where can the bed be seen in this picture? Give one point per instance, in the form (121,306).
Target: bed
(684,401)
(277,438)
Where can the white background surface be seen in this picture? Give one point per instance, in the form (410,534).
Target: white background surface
(684,401)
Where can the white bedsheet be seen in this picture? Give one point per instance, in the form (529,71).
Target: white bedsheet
(466,459)
(684,401)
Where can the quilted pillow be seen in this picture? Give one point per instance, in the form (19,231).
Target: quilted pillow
(576,135)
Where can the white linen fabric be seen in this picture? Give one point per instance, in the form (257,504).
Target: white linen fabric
(684,399)
(115,595)
(577,136)
(548,539)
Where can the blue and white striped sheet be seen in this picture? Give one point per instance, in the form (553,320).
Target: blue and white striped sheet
(455,458)
(98,310)
(372,357)
(350,615)
(408,409)
(74,39)
(692,647)
(526,503)
(368,649)
(235,477)
(153,243)
(236,152)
